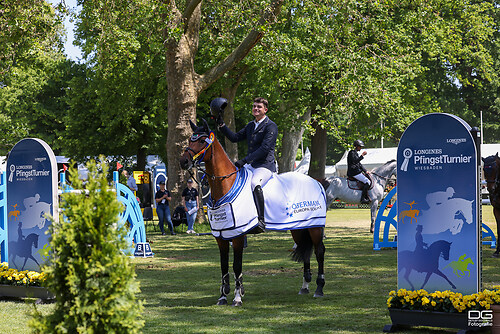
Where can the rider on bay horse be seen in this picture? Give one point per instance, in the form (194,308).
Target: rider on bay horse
(356,170)
(261,135)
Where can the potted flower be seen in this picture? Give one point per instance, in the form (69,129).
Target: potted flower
(440,308)
(14,283)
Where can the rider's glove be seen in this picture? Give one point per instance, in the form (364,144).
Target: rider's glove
(240,163)
(219,120)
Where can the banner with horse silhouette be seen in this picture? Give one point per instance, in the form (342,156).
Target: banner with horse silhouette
(438,206)
(31,196)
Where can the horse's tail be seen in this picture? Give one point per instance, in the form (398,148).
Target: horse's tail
(304,248)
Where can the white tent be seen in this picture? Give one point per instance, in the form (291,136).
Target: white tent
(489,149)
(303,165)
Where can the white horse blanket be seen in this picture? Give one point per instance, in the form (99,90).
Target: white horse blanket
(292,201)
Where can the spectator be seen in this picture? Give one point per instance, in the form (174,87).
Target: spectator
(162,199)
(190,203)
(130,180)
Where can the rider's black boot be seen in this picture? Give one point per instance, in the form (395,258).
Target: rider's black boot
(258,197)
(364,195)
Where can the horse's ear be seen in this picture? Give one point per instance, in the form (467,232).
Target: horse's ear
(193,126)
(205,125)
(484,160)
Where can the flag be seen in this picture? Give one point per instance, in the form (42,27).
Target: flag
(118,166)
(65,168)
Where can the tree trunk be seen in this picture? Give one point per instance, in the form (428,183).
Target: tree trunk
(229,93)
(290,144)
(318,152)
(141,159)
(182,98)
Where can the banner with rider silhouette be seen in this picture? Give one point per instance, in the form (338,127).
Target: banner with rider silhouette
(31,196)
(438,206)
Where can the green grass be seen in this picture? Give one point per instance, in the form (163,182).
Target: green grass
(180,285)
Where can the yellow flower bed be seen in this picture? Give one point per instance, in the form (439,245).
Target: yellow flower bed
(443,301)
(14,277)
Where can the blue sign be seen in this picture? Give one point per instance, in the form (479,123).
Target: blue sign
(438,206)
(159,174)
(31,196)
(143,249)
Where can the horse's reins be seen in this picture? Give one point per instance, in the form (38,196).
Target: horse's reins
(198,157)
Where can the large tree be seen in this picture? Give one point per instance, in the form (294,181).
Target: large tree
(31,71)
(184,83)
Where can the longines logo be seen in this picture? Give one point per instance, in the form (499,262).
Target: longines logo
(456,141)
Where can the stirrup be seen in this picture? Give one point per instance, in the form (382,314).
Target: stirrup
(259,228)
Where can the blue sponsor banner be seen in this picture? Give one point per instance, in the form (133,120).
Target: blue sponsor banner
(31,195)
(438,206)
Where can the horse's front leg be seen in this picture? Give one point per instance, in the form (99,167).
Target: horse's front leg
(496,213)
(239,291)
(224,266)
(373,213)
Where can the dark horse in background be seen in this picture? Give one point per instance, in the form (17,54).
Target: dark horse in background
(22,248)
(425,261)
(221,175)
(491,175)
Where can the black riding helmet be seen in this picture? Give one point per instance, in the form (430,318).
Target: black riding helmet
(358,143)
(217,106)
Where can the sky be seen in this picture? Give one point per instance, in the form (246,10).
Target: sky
(73,52)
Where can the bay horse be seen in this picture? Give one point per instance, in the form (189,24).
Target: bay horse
(492,176)
(222,175)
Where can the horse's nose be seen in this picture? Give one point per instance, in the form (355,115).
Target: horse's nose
(185,162)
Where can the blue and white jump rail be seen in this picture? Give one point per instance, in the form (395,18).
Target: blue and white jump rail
(132,214)
(391,219)
(4,249)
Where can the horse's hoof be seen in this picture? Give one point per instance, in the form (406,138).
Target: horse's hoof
(318,294)
(303,291)
(237,303)
(222,301)
(497,255)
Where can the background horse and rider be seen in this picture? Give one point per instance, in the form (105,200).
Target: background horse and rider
(345,190)
(223,178)
(491,168)
(22,248)
(425,261)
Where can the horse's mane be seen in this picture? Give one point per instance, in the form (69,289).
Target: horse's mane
(385,168)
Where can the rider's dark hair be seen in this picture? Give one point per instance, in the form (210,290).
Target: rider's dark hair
(261,100)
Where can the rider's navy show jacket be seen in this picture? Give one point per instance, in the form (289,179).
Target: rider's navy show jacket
(354,166)
(261,142)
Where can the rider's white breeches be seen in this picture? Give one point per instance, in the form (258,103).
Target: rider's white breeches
(260,176)
(361,177)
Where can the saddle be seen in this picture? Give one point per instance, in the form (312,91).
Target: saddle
(355,184)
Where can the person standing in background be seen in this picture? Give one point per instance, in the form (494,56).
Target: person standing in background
(190,204)
(162,199)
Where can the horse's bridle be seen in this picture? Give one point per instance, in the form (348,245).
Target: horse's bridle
(197,158)
(496,180)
